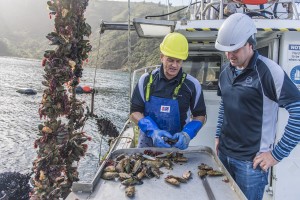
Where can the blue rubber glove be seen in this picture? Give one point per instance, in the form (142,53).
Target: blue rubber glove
(150,128)
(192,128)
(189,131)
(183,140)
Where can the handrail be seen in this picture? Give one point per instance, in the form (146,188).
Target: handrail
(204,7)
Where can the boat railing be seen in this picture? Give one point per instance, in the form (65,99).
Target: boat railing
(219,9)
(122,141)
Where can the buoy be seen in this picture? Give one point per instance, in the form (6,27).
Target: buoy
(83,89)
(87,89)
(78,90)
(28,91)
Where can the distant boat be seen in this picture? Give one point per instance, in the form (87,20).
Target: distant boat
(28,91)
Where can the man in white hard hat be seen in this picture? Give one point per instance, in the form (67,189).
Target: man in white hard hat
(252,88)
(164,100)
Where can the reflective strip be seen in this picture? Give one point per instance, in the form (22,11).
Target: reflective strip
(190,29)
(278,29)
(176,90)
(258,29)
(201,29)
(148,86)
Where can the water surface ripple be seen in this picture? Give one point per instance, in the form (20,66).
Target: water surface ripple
(19,116)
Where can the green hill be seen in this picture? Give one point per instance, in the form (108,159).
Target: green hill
(26,23)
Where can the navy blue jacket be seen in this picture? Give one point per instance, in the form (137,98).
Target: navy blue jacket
(248,111)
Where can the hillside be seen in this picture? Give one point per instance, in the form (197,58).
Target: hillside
(24,27)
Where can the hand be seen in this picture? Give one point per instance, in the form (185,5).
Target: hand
(157,138)
(264,160)
(217,141)
(183,140)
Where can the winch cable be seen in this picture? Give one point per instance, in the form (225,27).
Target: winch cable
(146,17)
(129,49)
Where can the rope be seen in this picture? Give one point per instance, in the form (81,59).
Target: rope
(97,60)
(94,83)
(129,50)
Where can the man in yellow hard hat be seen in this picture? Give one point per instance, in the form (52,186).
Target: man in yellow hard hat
(168,104)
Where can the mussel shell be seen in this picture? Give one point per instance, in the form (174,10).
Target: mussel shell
(129,191)
(202,173)
(187,175)
(172,181)
(109,175)
(214,173)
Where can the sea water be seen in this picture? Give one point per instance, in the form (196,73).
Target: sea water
(19,116)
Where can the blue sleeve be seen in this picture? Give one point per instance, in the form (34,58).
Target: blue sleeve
(289,92)
(291,136)
(220,119)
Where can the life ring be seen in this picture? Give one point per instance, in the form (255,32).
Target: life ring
(28,91)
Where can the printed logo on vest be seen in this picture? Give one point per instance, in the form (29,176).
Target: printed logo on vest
(165,109)
(248,82)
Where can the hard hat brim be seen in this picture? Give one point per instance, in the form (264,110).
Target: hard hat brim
(230,48)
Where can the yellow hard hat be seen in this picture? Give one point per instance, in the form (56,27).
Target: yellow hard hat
(175,45)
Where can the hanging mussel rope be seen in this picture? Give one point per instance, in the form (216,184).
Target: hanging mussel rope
(61,142)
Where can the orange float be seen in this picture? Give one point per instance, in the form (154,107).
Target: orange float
(87,89)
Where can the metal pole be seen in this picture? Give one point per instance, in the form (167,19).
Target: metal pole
(92,101)
(129,50)
(168,9)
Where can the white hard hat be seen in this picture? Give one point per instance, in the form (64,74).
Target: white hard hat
(234,32)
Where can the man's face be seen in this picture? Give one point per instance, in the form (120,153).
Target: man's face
(171,66)
(241,56)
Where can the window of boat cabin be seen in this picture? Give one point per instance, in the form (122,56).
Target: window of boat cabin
(269,48)
(264,51)
(206,68)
